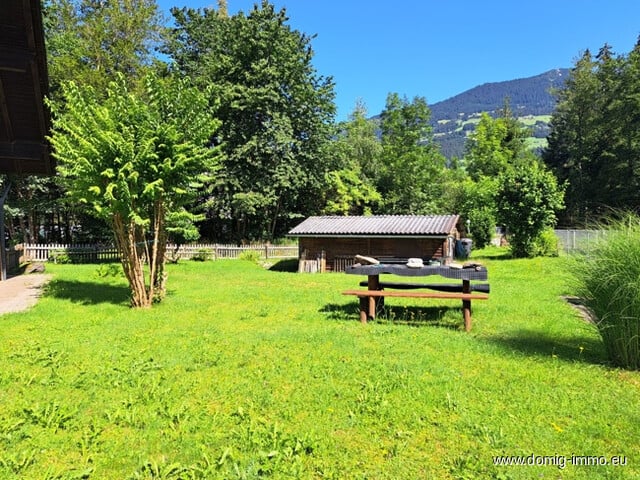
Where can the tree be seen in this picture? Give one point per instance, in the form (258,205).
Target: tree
(527,199)
(496,145)
(475,201)
(348,194)
(410,181)
(594,143)
(92,41)
(623,127)
(89,42)
(361,146)
(494,149)
(356,161)
(276,114)
(134,158)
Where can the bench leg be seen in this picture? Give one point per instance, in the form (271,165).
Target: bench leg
(466,314)
(368,307)
(364,307)
(466,306)
(372,307)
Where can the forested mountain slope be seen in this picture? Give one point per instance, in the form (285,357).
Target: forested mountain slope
(530,100)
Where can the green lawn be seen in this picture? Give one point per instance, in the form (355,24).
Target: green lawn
(244,372)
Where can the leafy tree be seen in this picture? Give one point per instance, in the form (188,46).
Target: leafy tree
(486,154)
(361,146)
(92,41)
(348,194)
(410,181)
(87,41)
(356,152)
(276,114)
(494,149)
(496,145)
(134,159)
(527,198)
(475,202)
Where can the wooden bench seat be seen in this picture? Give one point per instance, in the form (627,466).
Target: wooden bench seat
(368,301)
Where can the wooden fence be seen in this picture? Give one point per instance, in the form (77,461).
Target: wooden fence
(108,253)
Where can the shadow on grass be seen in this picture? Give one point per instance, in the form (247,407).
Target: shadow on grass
(445,317)
(285,265)
(88,293)
(535,343)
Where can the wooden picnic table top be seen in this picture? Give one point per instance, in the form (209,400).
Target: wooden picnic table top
(471,273)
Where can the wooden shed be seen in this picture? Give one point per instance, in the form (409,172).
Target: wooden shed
(331,242)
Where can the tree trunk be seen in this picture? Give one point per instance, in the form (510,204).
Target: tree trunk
(157,278)
(127,235)
(274,221)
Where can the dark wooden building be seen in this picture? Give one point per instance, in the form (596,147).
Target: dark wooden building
(24,120)
(333,241)
(24,84)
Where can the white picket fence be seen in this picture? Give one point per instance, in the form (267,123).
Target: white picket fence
(87,253)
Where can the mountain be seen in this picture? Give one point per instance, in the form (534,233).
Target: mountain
(530,100)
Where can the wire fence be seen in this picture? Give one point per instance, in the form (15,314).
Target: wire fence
(575,241)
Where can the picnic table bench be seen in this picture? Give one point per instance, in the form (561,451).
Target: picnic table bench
(371,298)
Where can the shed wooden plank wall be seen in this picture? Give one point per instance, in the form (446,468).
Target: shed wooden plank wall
(424,248)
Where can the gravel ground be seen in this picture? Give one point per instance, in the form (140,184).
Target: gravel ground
(21,292)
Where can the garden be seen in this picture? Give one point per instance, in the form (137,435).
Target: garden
(249,372)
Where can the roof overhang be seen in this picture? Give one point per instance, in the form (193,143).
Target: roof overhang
(24,83)
(310,235)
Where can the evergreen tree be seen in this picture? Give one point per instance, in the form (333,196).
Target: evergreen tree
(594,142)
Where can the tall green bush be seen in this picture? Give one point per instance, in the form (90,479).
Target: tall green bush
(607,278)
(528,198)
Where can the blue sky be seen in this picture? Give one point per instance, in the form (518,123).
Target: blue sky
(439,48)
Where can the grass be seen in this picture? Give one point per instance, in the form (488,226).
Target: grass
(244,372)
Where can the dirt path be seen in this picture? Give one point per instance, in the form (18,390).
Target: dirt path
(21,292)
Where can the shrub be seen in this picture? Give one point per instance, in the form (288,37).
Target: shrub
(59,256)
(482,226)
(546,245)
(476,204)
(201,255)
(607,278)
(527,199)
(250,256)
(109,270)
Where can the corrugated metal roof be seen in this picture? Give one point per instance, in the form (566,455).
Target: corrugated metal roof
(377,225)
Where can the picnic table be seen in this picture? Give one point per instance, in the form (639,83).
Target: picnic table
(370,298)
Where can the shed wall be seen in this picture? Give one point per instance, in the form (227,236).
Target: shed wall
(333,247)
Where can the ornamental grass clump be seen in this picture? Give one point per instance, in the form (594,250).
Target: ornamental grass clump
(608,281)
